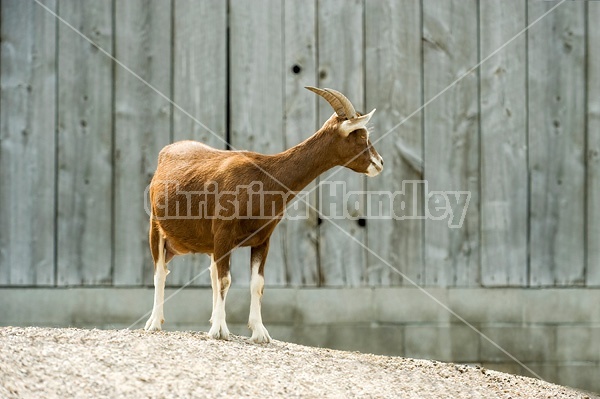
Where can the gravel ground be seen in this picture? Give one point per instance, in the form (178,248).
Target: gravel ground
(61,363)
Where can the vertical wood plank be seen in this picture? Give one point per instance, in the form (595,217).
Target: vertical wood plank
(27,151)
(85,144)
(393,86)
(556,142)
(451,140)
(257,106)
(504,181)
(341,67)
(142,126)
(301,256)
(593,141)
(200,88)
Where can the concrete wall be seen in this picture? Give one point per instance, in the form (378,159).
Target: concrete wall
(554,332)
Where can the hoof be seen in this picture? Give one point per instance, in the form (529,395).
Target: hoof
(154,323)
(219,331)
(260,335)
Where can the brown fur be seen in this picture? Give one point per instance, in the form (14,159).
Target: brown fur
(190,166)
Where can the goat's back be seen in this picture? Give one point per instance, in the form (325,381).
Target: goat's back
(183,194)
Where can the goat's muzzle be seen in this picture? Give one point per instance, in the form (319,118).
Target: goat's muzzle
(376,166)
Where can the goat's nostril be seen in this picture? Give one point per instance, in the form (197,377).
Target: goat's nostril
(381,161)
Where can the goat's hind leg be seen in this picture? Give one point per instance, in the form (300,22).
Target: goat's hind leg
(213,281)
(157,245)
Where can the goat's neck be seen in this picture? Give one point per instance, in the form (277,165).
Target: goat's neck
(303,163)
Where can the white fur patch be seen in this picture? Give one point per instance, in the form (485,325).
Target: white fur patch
(213,280)
(157,317)
(376,165)
(257,283)
(372,171)
(219,325)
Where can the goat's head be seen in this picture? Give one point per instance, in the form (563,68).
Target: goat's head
(350,135)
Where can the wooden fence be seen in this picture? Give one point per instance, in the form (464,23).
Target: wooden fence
(80,133)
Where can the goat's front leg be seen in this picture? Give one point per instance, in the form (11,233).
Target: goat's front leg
(220,287)
(257,283)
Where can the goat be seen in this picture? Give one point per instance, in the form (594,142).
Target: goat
(194,176)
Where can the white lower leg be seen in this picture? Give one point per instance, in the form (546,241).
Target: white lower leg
(257,284)
(213,281)
(157,317)
(219,326)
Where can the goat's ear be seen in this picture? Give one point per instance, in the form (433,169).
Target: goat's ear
(348,126)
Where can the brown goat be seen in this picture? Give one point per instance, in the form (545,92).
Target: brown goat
(204,200)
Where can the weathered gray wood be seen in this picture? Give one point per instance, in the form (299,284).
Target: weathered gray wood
(256,98)
(593,142)
(268,39)
(85,144)
(504,193)
(200,88)
(300,63)
(142,127)
(556,143)
(393,86)
(341,67)
(27,151)
(451,139)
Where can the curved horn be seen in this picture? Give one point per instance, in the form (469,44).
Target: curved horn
(342,106)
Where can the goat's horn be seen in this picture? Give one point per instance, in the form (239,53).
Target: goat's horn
(342,106)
